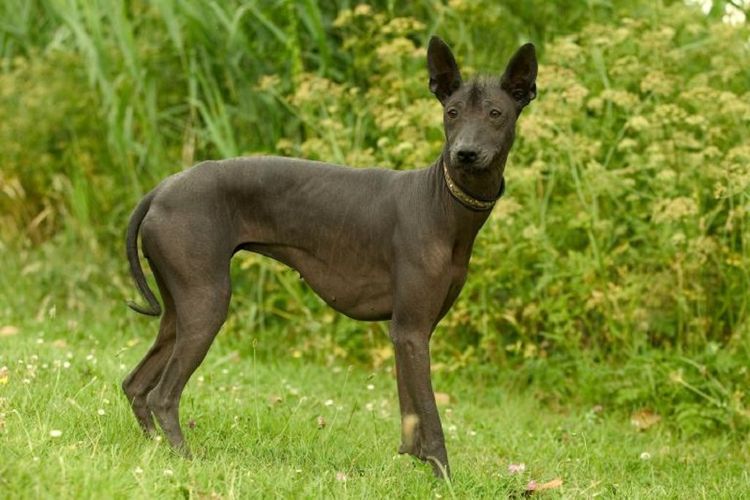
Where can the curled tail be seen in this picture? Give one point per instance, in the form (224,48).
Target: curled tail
(131,248)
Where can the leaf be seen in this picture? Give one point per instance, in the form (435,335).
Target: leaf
(442,399)
(644,418)
(274,399)
(8,330)
(550,485)
(533,486)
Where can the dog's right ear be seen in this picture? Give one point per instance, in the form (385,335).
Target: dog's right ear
(445,78)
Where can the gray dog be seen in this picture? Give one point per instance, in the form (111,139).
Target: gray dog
(375,244)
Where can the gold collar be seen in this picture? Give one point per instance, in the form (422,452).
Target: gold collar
(465,198)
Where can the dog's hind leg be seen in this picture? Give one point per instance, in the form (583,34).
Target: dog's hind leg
(146,374)
(201,309)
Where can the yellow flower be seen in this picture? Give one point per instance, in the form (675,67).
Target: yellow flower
(674,209)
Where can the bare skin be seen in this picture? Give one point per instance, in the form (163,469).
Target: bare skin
(375,244)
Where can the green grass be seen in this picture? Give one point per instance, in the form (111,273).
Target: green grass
(253,426)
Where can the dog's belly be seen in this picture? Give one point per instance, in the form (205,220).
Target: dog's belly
(360,292)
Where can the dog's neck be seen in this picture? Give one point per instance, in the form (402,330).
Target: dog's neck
(465,221)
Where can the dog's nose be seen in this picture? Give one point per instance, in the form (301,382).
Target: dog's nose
(467,156)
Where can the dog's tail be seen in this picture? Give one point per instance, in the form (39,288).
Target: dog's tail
(131,248)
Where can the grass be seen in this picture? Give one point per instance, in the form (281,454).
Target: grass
(255,428)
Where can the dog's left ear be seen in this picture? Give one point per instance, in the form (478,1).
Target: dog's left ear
(519,79)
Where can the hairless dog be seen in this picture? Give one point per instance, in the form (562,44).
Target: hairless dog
(375,244)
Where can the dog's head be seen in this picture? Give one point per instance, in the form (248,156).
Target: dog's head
(480,116)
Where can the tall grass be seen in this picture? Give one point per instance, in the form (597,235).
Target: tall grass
(616,268)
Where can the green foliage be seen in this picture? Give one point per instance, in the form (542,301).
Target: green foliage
(614,270)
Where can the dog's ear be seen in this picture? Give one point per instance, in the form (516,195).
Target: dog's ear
(445,78)
(519,79)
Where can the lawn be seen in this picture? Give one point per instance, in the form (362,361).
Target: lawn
(288,428)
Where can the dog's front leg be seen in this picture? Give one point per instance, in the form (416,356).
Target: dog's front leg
(421,432)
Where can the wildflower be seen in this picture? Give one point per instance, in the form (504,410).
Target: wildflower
(621,98)
(645,456)
(100,412)
(657,83)
(516,468)
(268,82)
(674,209)
(55,433)
(328,402)
(363,10)
(168,472)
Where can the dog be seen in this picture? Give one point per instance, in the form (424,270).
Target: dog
(374,244)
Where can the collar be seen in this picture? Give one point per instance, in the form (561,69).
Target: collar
(465,198)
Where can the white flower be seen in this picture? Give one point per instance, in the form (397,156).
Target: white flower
(55,433)
(516,468)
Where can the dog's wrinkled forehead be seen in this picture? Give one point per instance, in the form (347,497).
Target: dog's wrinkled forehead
(479,92)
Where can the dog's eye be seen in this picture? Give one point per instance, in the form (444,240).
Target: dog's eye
(495,113)
(453,112)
